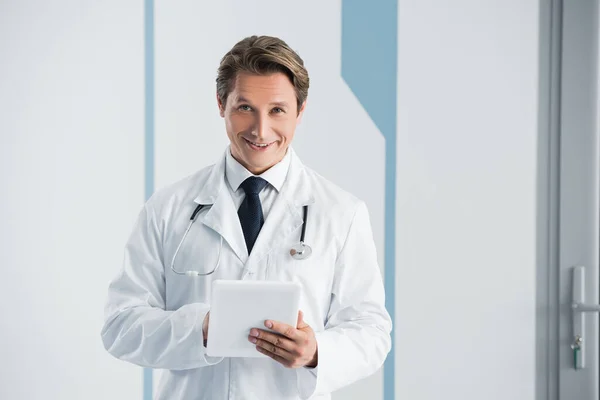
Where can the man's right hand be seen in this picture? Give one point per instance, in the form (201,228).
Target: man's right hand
(205,327)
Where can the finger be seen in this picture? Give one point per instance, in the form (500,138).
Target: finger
(286,363)
(301,323)
(205,325)
(273,349)
(284,329)
(273,338)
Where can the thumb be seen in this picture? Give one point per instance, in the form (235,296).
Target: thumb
(301,323)
(205,324)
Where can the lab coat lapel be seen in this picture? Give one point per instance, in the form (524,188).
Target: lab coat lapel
(222,217)
(285,215)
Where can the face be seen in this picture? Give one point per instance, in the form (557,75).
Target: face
(261,115)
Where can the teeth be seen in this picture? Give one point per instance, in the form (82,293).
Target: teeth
(259,145)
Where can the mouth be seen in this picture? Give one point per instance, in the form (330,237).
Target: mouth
(258,146)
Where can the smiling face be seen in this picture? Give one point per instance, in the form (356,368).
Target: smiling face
(261,115)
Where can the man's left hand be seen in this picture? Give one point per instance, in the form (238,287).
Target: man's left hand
(292,347)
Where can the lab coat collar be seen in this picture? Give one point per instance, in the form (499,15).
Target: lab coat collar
(297,188)
(284,217)
(222,216)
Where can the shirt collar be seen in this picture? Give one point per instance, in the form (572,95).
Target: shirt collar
(236,173)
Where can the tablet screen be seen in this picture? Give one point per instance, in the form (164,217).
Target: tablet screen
(238,306)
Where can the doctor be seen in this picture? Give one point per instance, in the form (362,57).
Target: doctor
(254,199)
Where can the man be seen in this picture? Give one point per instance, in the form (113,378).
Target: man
(254,200)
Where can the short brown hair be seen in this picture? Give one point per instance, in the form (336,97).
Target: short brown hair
(262,55)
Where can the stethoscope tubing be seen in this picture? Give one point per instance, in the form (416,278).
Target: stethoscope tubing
(295,255)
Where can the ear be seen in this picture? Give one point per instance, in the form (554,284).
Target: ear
(221,106)
(301,112)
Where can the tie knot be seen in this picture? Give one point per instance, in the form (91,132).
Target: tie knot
(253,185)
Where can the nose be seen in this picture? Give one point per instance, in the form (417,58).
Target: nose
(261,127)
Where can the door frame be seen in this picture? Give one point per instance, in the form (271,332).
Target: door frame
(568,194)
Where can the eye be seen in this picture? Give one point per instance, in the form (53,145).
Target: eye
(278,110)
(245,107)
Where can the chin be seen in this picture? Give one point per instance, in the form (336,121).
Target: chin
(261,162)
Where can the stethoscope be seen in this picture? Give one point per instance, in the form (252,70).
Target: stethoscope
(300,251)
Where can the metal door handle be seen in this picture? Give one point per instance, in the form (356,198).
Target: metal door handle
(579,308)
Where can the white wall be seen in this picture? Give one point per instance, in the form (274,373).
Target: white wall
(72,104)
(71,100)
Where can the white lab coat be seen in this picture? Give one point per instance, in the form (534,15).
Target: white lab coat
(153,317)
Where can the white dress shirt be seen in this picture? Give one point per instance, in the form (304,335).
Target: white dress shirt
(236,173)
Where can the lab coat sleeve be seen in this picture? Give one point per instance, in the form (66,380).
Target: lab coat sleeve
(356,338)
(137,327)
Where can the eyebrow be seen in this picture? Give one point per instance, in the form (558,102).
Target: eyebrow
(242,99)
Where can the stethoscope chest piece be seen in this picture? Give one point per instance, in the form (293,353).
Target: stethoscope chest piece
(301,251)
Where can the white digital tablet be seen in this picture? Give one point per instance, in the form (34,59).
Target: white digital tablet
(238,306)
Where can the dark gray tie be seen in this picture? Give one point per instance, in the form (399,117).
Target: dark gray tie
(250,211)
